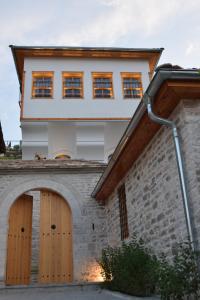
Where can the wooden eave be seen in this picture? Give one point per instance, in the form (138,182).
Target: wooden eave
(19,54)
(165,101)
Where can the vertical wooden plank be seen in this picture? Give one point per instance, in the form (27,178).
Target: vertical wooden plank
(66,242)
(19,241)
(55,239)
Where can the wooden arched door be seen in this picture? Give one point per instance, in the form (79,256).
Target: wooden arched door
(19,241)
(55,263)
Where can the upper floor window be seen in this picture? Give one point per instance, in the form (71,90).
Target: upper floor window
(72,85)
(102,85)
(123,212)
(42,85)
(131,85)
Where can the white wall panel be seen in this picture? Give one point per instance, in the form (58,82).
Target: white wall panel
(86,107)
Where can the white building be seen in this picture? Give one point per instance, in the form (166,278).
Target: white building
(77,102)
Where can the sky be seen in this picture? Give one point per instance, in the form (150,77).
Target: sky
(172,24)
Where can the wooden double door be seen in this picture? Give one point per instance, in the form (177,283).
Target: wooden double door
(55,261)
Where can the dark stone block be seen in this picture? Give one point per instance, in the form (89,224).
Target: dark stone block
(163,233)
(160,159)
(171,230)
(146,196)
(173,237)
(155,205)
(146,188)
(198,172)
(160,217)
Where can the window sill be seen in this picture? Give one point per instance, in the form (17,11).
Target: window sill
(71,98)
(42,98)
(136,98)
(111,98)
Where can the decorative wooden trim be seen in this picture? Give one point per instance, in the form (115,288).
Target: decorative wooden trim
(75,74)
(42,73)
(103,74)
(19,53)
(132,75)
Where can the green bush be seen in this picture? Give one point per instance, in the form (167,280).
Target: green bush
(131,268)
(181,277)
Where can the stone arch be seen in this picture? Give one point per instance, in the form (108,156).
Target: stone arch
(66,191)
(69,194)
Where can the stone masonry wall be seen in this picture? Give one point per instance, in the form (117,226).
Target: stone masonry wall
(154,201)
(191,148)
(35,235)
(89,223)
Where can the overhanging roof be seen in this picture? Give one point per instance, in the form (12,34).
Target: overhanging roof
(53,165)
(20,52)
(166,89)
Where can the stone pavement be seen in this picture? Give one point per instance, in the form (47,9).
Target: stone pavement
(64,293)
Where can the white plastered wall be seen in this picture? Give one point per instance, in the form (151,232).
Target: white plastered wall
(34,139)
(112,134)
(61,140)
(86,107)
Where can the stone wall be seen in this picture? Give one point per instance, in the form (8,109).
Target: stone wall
(154,200)
(35,235)
(89,229)
(191,148)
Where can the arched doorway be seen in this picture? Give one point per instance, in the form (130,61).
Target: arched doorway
(55,234)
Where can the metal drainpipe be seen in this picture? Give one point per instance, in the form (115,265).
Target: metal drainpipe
(181,171)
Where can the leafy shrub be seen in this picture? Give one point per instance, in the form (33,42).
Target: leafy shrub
(133,269)
(181,277)
(130,268)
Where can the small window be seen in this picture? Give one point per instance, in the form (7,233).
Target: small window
(123,212)
(102,85)
(131,85)
(42,85)
(72,85)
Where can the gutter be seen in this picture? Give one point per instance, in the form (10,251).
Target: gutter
(116,49)
(180,164)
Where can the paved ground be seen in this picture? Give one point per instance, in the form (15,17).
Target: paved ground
(62,293)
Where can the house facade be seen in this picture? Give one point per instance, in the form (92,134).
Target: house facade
(77,102)
(57,215)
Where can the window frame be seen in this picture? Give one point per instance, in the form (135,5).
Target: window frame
(102,74)
(73,74)
(123,213)
(42,73)
(131,75)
